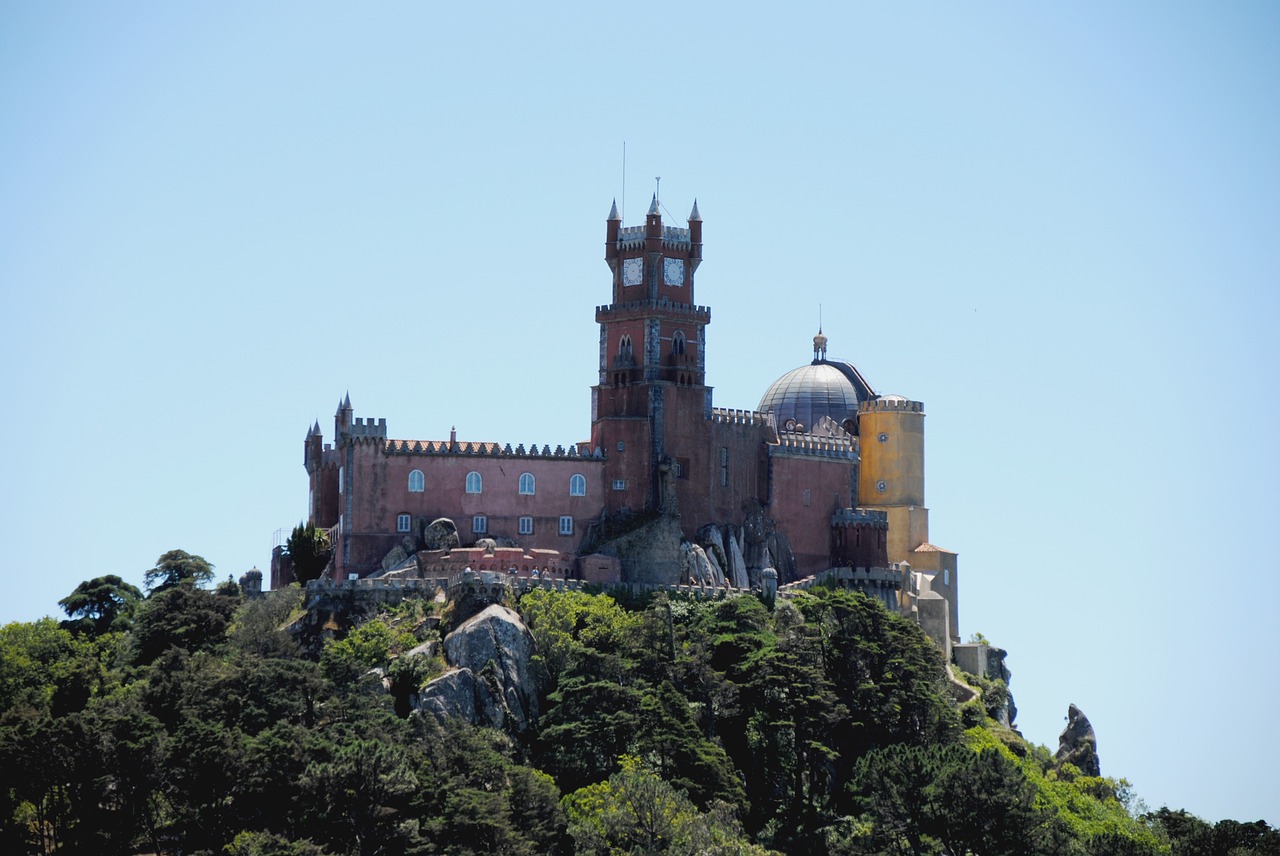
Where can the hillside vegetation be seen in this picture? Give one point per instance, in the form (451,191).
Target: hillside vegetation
(193,721)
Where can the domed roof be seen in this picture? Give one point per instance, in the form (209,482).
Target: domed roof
(823,388)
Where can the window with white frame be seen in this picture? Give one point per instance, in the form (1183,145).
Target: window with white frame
(577,485)
(566,525)
(619,484)
(475,482)
(402,523)
(526,484)
(526,525)
(417,482)
(479,524)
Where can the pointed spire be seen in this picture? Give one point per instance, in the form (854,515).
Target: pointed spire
(613,212)
(694,215)
(316,428)
(346,401)
(311,432)
(653,209)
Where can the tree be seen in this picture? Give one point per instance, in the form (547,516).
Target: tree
(636,812)
(177,567)
(182,616)
(309,550)
(100,605)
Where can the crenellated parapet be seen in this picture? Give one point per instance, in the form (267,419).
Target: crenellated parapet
(673,238)
(373,428)
(489,450)
(729,416)
(861,517)
(641,308)
(811,446)
(890,404)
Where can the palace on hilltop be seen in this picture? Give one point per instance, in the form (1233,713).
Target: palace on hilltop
(824,479)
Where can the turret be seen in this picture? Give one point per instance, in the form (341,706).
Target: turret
(695,237)
(653,229)
(613,226)
(342,418)
(312,447)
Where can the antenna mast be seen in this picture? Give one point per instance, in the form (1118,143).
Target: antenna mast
(624,181)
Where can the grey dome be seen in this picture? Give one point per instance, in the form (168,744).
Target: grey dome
(822,388)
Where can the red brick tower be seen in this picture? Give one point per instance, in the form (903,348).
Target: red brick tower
(649,410)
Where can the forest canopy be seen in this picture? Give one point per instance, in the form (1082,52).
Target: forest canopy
(192,720)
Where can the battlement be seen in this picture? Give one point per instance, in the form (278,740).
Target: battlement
(675,237)
(860,517)
(491,450)
(729,416)
(812,446)
(880,582)
(631,237)
(890,404)
(367,428)
(399,588)
(642,307)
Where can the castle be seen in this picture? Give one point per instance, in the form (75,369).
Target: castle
(824,478)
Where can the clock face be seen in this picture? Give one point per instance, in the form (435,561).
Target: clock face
(673,271)
(632,271)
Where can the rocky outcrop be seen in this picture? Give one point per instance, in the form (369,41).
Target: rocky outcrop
(696,567)
(491,680)
(737,562)
(1078,745)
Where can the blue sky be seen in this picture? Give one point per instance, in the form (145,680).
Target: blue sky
(1058,225)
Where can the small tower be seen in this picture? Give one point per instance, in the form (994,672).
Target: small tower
(342,418)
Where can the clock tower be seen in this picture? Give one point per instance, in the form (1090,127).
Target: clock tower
(650,407)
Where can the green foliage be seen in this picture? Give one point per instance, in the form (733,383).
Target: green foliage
(637,811)
(181,616)
(175,568)
(367,647)
(822,724)
(310,551)
(100,605)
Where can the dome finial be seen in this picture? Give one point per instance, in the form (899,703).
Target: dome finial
(819,347)
(819,341)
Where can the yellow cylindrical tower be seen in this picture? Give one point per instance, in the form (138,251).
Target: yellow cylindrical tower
(891,429)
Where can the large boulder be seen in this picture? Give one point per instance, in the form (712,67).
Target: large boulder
(492,680)
(439,534)
(1077,744)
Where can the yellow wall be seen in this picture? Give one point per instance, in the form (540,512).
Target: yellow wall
(891,435)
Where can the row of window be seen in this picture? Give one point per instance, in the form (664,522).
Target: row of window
(480,524)
(475,483)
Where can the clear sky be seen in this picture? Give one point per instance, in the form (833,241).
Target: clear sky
(1058,225)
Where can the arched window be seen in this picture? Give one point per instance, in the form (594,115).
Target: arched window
(475,484)
(577,485)
(677,342)
(624,346)
(526,484)
(417,482)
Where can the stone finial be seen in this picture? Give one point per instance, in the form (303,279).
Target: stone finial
(694,215)
(613,211)
(819,346)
